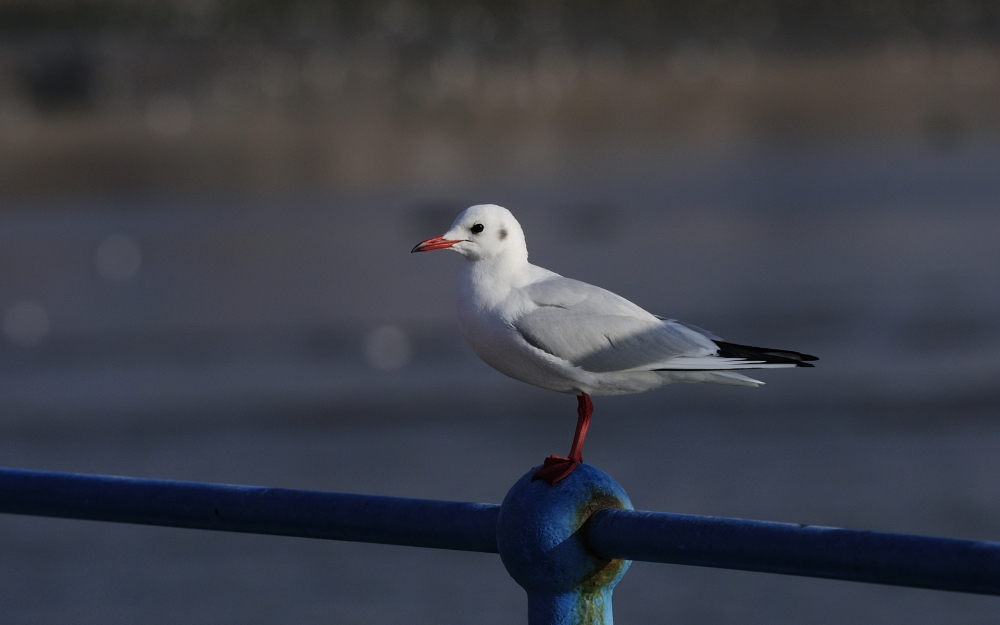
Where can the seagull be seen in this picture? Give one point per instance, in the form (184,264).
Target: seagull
(564,335)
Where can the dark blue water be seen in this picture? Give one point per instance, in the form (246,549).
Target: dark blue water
(243,349)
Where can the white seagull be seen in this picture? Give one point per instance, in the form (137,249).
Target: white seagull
(564,335)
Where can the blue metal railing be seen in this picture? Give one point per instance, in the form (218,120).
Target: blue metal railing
(536,531)
(251,509)
(806,550)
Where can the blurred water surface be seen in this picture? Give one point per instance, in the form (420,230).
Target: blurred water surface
(291,340)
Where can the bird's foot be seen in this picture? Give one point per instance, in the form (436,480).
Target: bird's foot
(556,468)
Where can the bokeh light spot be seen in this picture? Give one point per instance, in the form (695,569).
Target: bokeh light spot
(118,258)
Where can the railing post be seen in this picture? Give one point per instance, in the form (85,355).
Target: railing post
(542,543)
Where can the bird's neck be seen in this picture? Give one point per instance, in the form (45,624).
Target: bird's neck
(487,282)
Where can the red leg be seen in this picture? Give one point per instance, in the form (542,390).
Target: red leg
(556,468)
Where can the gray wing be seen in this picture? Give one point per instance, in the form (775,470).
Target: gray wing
(599,331)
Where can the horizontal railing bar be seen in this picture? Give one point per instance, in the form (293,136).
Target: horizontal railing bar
(811,551)
(251,509)
(805,550)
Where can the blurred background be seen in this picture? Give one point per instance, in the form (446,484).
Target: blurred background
(206,212)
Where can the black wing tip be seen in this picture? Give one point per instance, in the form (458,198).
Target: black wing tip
(765,354)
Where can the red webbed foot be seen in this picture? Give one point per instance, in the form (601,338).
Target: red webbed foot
(555,468)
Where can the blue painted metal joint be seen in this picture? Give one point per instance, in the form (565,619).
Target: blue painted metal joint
(541,536)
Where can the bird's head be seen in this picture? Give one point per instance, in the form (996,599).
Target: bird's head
(481,232)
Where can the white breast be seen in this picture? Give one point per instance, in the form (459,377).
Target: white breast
(486,307)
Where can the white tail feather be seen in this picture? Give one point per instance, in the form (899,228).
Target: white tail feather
(715,363)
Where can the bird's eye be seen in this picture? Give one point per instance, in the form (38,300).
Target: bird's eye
(477,228)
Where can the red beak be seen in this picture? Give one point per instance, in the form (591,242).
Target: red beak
(434,243)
